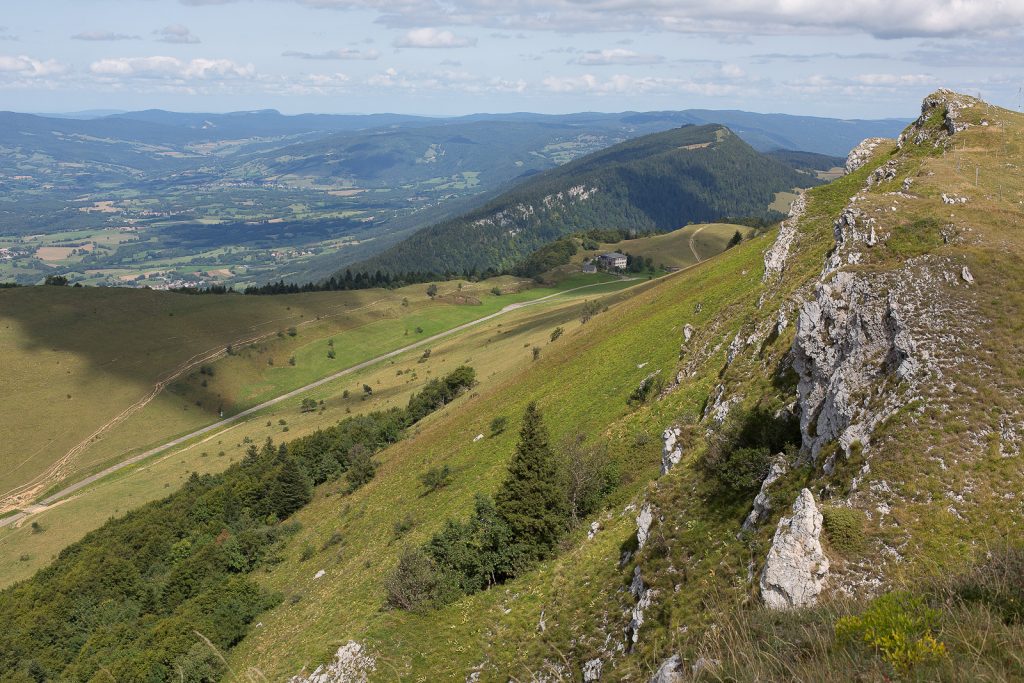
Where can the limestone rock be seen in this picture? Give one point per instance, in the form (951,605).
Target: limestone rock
(671,453)
(592,670)
(762,502)
(319,574)
(860,154)
(965,273)
(643,525)
(775,257)
(351,665)
(853,335)
(670,671)
(687,332)
(644,596)
(592,531)
(796,568)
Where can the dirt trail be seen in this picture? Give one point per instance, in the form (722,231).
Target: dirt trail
(41,505)
(693,244)
(20,495)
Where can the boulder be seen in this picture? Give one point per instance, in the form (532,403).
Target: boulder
(351,664)
(643,525)
(670,671)
(592,670)
(796,568)
(762,502)
(671,453)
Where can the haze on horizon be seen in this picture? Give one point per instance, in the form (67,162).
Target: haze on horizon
(871,59)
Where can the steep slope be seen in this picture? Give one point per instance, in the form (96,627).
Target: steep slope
(652,184)
(840,417)
(888,335)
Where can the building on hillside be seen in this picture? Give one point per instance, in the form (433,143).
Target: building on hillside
(613,260)
(589,267)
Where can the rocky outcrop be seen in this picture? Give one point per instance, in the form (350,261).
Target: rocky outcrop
(670,671)
(671,452)
(643,525)
(644,596)
(592,670)
(762,502)
(796,568)
(775,257)
(848,340)
(862,153)
(351,664)
(946,107)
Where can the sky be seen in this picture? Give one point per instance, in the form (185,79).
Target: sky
(837,58)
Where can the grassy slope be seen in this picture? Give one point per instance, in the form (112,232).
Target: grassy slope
(57,342)
(70,520)
(581,384)
(672,249)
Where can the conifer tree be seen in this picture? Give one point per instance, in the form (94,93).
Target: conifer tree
(530,500)
(292,490)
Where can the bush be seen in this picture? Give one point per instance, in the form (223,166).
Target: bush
(556,333)
(651,386)
(414,584)
(436,478)
(403,526)
(898,626)
(844,528)
(498,425)
(740,453)
(307,552)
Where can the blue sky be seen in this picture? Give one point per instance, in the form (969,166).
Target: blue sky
(871,58)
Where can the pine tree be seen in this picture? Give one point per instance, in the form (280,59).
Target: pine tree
(292,489)
(530,500)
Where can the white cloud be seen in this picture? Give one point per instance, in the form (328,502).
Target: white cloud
(342,53)
(880,18)
(171,68)
(103,36)
(433,38)
(445,81)
(176,33)
(621,84)
(22,66)
(618,55)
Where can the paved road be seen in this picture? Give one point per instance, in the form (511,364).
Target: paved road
(41,505)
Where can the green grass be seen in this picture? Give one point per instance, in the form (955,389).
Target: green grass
(67,371)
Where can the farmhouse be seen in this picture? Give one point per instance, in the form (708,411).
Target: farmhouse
(613,260)
(588,266)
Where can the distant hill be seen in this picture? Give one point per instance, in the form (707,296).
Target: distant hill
(651,184)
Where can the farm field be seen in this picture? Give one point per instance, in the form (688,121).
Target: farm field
(497,349)
(67,372)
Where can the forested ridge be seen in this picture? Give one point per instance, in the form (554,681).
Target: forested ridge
(157,594)
(656,183)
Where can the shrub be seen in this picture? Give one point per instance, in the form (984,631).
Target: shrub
(740,453)
(307,552)
(844,528)
(651,386)
(556,333)
(898,626)
(436,478)
(414,584)
(498,425)
(403,526)
(335,539)
(496,291)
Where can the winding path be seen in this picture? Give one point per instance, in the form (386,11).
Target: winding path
(43,504)
(693,244)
